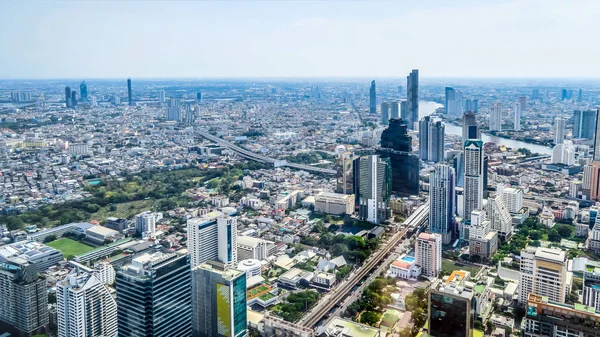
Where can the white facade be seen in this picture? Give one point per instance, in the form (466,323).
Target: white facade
(251,267)
(441,201)
(212,237)
(145,223)
(559,130)
(161,96)
(104,272)
(500,216)
(428,253)
(85,307)
(496,117)
(513,198)
(564,153)
(253,248)
(405,270)
(543,271)
(473,184)
(517,119)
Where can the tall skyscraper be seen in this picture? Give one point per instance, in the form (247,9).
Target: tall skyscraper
(523,102)
(428,253)
(597,137)
(395,110)
(564,94)
(73,98)
(584,124)
(385,113)
(580,95)
(129,93)
(442,201)
(595,191)
(375,189)
(154,296)
(68,96)
(412,97)
(218,301)
(517,117)
(404,110)
(212,237)
(543,272)
(559,130)
(424,125)
(449,96)
(85,307)
(198,96)
(459,169)
(396,144)
(372,98)
(475,105)
(535,94)
(23,298)
(435,147)
(470,129)
(496,117)
(161,96)
(83,91)
(468,106)
(345,176)
(473,189)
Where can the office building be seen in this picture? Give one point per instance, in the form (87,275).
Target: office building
(596,156)
(249,247)
(483,241)
(458,164)
(385,113)
(372,98)
(495,117)
(475,105)
(334,203)
(375,189)
(517,117)
(404,110)
(535,93)
(198,96)
(68,96)
(559,130)
(564,94)
(345,175)
(456,103)
(513,198)
(412,98)
(473,182)
(23,298)
(424,125)
(448,97)
(85,307)
(395,107)
(154,296)
(212,237)
(584,124)
(543,272)
(161,96)
(218,301)
(580,95)
(396,144)
(83,91)
(73,98)
(129,93)
(450,307)
(523,102)
(436,146)
(442,201)
(428,253)
(36,253)
(470,129)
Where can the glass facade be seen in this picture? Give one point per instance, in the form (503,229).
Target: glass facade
(239,306)
(449,316)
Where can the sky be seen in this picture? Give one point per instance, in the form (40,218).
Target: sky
(374,39)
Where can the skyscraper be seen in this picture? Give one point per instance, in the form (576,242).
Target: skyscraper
(372,98)
(523,102)
(412,97)
(449,96)
(496,117)
(473,189)
(396,144)
(385,113)
(83,91)
(435,145)
(580,95)
(173,110)
(517,116)
(500,217)
(428,253)
(597,137)
(559,130)
(218,301)
(212,237)
(441,201)
(595,191)
(395,110)
(154,296)
(424,125)
(345,177)
(475,105)
(198,96)
(584,124)
(161,96)
(543,272)
(73,98)
(129,93)
(535,93)
(564,94)
(23,298)
(68,96)
(470,128)
(84,307)
(404,110)
(375,189)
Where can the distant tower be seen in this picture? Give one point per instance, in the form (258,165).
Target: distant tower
(73,98)
(564,94)
(385,113)
(475,105)
(198,96)
(584,124)
(559,130)
(129,94)
(517,120)
(395,110)
(523,102)
(68,96)
(580,95)
(496,117)
(449,96)
(412,97)
(372,98)
(161,96)
(470,128)
(435,146)
(441,201)
(474,180)
(424,125)
(404,110)
(83,91)
(375,188)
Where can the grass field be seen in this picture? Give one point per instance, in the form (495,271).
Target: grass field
(448,266)
(70,247)
(125,210)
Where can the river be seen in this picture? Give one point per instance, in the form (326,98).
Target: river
(427,108)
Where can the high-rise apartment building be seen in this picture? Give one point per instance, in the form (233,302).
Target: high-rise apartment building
(435,146)
(23,298)
(173,110)
(513,198)
(404,110)
(496,117)
(145,223)
(212,237)
(161,96)
(424,125)
(559,130)
(517,117)
(584,124)
(448,97)
(412,98)
(395,107)
(375,189)
(591,286)
(499,216)
(85,307)
(68,96)
(396,144)
(385,113)
(129,93)
(470,129)
(73,98)
(218,301)
(345,173)
(428,253)
(372,98)
(473,182)
(83,91)
(154,296)
(442,201)
(543,272)
(523,102)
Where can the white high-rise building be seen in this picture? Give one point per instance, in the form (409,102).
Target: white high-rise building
(564,153)
(517,120)
(543,272)
(145,223)
(473,183)
(587,177)
(500,216)
(161,96)
(559,130)
(441,201)
(85,307)
(513,198)
(496,117)
(428,253)
(94,101)
(212,237)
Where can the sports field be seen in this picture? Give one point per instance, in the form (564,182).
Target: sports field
(70,247)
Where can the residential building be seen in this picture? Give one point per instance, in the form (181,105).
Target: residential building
(345,173)
(412,98)
(129,92)
(436,143)
(375,189)
(543,272)
(496,117)
(500,218)
(517,117)
(424,125)
(145,223)
(513,198)
(372,98)
(385,113)
(428,253)
(473,182)
(470,129)
(591,286)
(442,201)
(448,96)
(395,110)
(584,124)
(559,130)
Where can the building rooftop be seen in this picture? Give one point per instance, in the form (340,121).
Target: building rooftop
(352,329)
(218,268)
(551,254)
(429,236)
(101,230)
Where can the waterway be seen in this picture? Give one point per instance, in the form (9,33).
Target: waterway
(427,108)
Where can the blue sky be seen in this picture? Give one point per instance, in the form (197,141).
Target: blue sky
(194,39)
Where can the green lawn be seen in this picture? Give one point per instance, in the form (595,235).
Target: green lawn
(448,266)
(70,247)
(124,210)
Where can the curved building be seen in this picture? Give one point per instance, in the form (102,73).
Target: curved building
(251,267)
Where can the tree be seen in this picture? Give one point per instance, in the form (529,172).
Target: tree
(554,236)
(535,235)
(370,318)
(565,231)
(535,243)
(477,325)
(49,238)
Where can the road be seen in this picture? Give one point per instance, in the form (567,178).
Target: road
(260,158)
(338,295)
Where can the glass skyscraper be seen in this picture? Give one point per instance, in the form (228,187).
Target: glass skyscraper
(396,145)
(83,91)
(372,98)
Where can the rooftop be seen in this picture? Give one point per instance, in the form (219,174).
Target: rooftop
(551,254)
(352,329)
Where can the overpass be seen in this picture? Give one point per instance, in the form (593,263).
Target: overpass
(317,313)
(260,158)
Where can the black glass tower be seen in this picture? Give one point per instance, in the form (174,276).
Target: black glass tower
(372,98)
(83,91)
(129,95)
(73,98)
(68,96)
